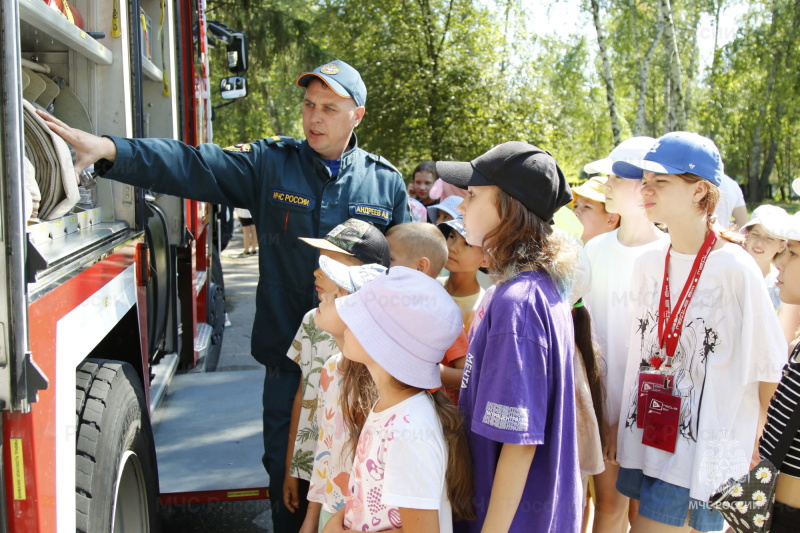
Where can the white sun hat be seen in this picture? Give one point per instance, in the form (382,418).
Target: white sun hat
(632,149)
(350,278)
(783,226)
(405,321)
(762,215)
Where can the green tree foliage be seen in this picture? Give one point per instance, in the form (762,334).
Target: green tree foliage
(448,79)
(753,106)
(281,46)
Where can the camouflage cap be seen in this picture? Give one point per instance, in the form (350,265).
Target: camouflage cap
(355,237)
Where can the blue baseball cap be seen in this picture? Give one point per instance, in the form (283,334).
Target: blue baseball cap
(449,205)
(455,224)
(678,152)
(342,79)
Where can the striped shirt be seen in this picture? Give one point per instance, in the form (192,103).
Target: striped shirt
(786,400)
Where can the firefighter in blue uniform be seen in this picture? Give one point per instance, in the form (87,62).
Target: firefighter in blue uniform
(293,188)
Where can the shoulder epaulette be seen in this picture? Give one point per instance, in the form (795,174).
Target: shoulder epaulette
(280,140)
(381,160)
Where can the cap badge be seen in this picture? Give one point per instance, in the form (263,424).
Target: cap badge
(330,69)
(654,149)
(691,165)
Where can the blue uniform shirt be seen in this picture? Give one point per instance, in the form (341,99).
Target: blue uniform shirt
(290,193)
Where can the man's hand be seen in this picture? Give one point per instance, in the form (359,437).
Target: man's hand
(291,498)
(89,148)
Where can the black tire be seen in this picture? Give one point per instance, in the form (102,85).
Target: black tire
(116,478)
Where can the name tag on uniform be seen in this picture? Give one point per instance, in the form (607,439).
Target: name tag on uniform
(374,212)
(291,198)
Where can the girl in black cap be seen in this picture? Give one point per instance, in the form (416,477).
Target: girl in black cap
(517,393)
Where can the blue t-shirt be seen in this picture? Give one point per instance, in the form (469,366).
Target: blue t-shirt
(518,388)
(333,165)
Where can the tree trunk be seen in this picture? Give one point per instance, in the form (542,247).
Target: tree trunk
(712,75)
(678,105)
(692,60)
(769,164)
(640,127)
(669,106)
(755,163)
(605,73)
(755,177)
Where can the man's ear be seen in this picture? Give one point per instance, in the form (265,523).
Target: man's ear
(485,261)
(359,114)
(423,265)
(613,220)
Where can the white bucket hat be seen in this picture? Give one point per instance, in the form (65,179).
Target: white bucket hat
(632,149)
(783,226)
(350,278)
(405,321)
(762,215)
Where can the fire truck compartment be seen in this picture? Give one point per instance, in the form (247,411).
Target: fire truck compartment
(208,431)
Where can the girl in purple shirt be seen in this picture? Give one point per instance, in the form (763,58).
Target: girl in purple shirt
(517,393)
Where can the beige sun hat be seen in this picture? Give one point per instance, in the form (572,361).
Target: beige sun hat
(593,189)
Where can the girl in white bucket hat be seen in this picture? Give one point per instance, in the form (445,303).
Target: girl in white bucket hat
(411,468)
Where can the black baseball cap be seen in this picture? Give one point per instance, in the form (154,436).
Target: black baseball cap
(529,174)
(355,237)
(342,79)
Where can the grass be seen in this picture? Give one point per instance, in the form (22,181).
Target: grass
(566,220)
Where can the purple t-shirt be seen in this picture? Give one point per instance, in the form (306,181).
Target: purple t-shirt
(518,388)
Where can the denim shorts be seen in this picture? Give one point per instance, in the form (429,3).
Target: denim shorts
(667,503)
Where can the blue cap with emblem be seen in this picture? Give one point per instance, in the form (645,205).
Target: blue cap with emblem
(677,152)
(342,79)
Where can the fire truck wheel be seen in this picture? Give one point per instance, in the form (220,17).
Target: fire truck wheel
(116,479)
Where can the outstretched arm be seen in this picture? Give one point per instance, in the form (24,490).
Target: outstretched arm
(205,173)
(89,148)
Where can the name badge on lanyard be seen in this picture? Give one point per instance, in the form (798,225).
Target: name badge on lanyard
(658,409)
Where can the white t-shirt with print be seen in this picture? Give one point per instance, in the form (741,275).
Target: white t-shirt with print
(332,461)
(610,300)
(401,461)
(731,340)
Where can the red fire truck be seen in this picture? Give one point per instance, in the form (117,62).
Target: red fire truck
(105,304)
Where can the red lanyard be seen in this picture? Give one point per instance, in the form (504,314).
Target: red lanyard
(669,324)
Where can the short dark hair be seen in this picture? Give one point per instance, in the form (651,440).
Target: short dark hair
(426,166)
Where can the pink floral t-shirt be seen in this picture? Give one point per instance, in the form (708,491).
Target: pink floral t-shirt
(331,471)
(400,461)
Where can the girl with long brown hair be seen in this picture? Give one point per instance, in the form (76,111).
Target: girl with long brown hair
(518,390)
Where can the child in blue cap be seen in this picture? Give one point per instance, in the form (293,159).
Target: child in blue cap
(699,374)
